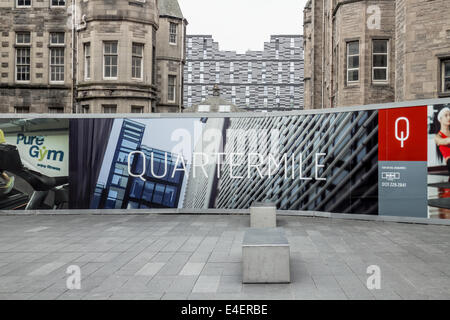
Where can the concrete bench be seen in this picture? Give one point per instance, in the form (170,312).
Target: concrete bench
(265,256)
(263,215)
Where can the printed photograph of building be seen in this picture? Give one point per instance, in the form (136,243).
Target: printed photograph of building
(141,171)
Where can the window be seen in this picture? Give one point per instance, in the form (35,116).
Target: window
(136,63)
(173,33)
(217,66)
(280,66)
(23,38)
(233,90)
(23,60)
(380,60)
(249,78)
(201,78)
(55,110)
(57,38)
(85,108)
(109,108)
(110,60)
(189,91)
(247,91)
(189,66)
(87,61)
(352,61)
(137,109)
(292,42)
(224,108)
(446,75)
(22,109)
(23,3)
(203,90)
(58,3)
(217,78)
(171,88)
(189,78)
(57,56)
(231,66)
(203,108)
(292,67)
(231,78)
(202,66)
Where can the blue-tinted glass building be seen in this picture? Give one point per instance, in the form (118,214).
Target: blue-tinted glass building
(163,176)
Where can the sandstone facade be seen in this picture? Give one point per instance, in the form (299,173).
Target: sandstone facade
(406,43)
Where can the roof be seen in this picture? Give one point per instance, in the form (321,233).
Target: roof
(170,8)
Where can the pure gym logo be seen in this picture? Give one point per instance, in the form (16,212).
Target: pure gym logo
(37,148)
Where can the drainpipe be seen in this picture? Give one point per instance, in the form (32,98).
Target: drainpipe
(73,56)
(323,50)
(183,38)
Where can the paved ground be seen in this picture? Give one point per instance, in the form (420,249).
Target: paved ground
(199,257)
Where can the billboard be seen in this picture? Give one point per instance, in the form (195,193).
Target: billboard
(388,162)
(34,164)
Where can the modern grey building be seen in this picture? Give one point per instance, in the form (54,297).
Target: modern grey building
(257,80)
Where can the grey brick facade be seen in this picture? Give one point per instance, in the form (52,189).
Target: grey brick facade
(257,80)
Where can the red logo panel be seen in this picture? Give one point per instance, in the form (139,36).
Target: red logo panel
(402,134)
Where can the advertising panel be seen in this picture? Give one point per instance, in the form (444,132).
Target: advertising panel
(390,162)
(34,164)
(402,162)
(439,161)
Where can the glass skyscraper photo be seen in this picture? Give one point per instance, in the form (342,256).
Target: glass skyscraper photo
(162,185)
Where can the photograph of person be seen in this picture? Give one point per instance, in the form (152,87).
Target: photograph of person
(439,161)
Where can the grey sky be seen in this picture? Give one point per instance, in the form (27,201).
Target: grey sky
(243,24)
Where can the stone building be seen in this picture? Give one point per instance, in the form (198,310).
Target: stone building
(91,56)
(257,80)
(362,52)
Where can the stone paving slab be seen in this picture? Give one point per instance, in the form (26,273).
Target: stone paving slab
(178,257)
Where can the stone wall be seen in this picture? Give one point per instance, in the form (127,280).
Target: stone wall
(418,35)
(39,94)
